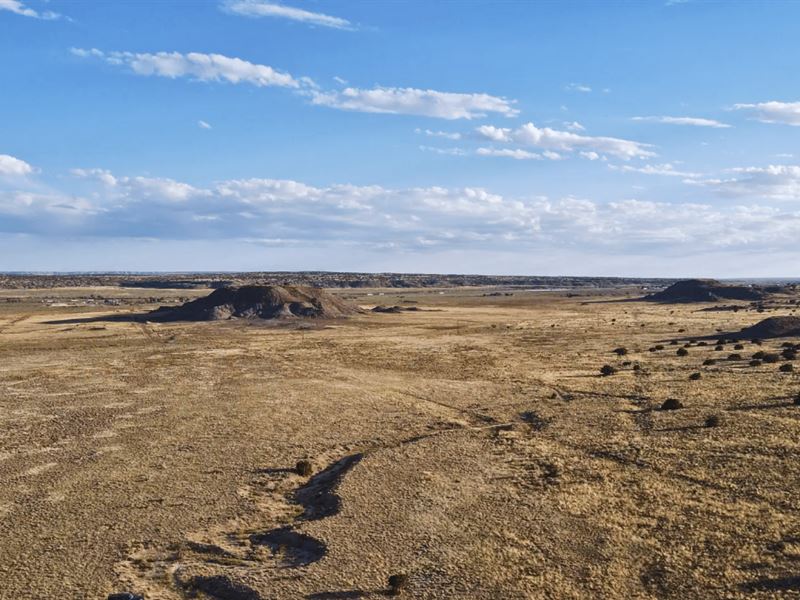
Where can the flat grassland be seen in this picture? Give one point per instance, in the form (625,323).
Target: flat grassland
(472,445)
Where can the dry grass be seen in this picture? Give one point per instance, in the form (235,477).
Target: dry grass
(160,458)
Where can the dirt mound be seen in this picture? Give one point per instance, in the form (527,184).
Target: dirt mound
(705,290)
(259,302)
(773,327)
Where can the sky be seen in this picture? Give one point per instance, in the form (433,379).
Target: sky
(651,138)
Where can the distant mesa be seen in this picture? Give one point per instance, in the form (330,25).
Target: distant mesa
(773,327)
(259,302)
(705,290)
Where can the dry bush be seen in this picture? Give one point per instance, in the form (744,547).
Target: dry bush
(712,421)
(787,368)
(397,583)
(607,370)
(671,404)
(682,352)
(304,468)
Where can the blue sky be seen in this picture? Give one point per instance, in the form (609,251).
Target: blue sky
(599,138)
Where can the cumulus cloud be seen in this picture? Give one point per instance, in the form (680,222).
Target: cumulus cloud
(15,167)
(442,134)
(787,113)
(256,8)
(774,182)
(293,214)
(412,101)
(195,65)
(666,169)
(445,151)
(574,126)
(17,7)
(514,153)
(389,100)
(565,141)
(691,121)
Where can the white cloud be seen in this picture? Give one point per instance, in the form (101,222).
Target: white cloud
(17,7)
(445,151)
(140,188)
(196,65)
(574,126)
(412,101)
(389,100)
(442,134)
(256,8)
(787,113)
(691,121)
(590,155)
(296,214)
(774,182)
(516,154)
(564,141)
(666,169)
(203,124)
(12,166)
(577,87)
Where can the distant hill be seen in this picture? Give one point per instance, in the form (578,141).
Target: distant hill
(259,302)
(705,290)
(773,327)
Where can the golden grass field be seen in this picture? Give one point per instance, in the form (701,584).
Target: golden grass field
(473,446)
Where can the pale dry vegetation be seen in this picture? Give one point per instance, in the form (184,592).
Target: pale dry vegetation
(473,449)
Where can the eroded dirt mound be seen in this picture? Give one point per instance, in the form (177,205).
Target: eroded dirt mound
(773,327)
(260,302)
(705,290)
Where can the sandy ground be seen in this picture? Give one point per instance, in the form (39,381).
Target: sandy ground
(473,447)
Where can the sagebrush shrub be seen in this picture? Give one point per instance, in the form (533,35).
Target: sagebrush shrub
(671,404)
(304,468)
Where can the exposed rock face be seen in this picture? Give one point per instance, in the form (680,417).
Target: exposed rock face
(773,327)
(260,302)
(705,290)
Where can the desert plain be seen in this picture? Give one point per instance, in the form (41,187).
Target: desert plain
(472,446)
